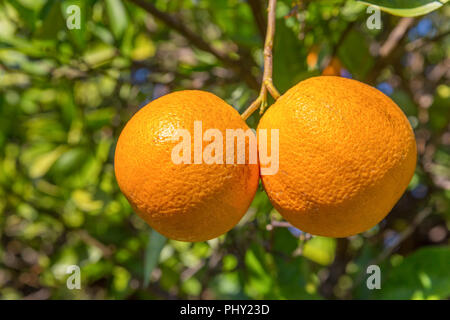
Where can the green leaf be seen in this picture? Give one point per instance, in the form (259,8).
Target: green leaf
(155,244)
(259,280)
(70,161)
(358,62)
(289,54)
(52,21)
(118,18)
(421,275)
(291,273)
(100,117)
(406,8)
(405,102)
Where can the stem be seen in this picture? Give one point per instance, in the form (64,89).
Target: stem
(267,83)
(255,105)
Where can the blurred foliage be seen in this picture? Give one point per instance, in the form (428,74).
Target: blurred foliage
(66,94)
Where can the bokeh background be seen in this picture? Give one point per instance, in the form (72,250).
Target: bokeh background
(66,94)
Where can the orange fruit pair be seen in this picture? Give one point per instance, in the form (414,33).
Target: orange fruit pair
(346,155)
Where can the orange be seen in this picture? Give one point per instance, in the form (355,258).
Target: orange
(313,57)
(188,202)
(333,68)
(346,154)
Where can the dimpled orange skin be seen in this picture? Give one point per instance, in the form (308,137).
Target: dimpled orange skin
(346,155)
(187,202)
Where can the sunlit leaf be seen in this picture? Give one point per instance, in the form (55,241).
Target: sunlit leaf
(118,17)
(43,163)
(407,8)
(144,48)
(320,250)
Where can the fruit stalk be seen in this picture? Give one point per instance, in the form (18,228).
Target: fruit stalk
(267,83)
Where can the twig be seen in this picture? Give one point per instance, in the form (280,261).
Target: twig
(419,218)
(395,36)
(239,66)
(422,42)
(41,294)
(155,289)
(387,51)
(267,83)
(304,238)
(278,224)
(189,272)
(107,251)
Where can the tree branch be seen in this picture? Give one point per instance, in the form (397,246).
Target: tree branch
(243,69)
